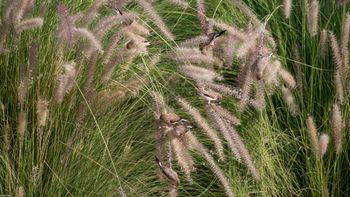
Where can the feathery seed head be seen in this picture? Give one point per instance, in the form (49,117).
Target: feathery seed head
(337,128)
(156,18)
(312,132)
(287,78)
(29,24)
(65,27)
(323,42)
(42,112)
(22,123)
(20,191)
(289,99)
(339,87)
(287,8)
(323,142)
(211,133)
(313,14)
(336,52)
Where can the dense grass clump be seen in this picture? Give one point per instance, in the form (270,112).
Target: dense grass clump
(174,98)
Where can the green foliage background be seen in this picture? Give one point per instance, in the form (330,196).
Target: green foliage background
(277,141)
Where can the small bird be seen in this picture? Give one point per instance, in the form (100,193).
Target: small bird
(203,47)
(168,172)
(213,36)
(118,11)
(210,95)
(261,63)
(117,5)
(186,123)
(170,118)
(181,129)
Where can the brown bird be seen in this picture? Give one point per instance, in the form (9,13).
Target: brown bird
(180,129)
(209,43)
(170,118)
(169,173)
(118,5)
(210,95)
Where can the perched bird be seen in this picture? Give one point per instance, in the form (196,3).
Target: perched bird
(118,11)
(210,95)
(118,5)
(213,36)
(181,127)
(209,43)
(170,118)
(168,172)
(260,64)
(180,130)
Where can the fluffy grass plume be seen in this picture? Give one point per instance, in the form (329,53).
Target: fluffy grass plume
(345,42)
(42,112)
(323,143)
(214,167)
(287,8)
(99,138)
(290,101)
(336,121)
(225,114)
(65,27)
(226,133)
(323,42)
(183,157)
(22,123)
(203,22)
(147,6)
(336,52)
(29,24)
(210,132)
(339,87)
(313,138)
(313,15)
